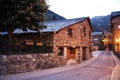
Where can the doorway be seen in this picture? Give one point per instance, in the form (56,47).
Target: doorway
(84,53)
(71,53)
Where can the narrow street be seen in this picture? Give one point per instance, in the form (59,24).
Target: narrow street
(100,69)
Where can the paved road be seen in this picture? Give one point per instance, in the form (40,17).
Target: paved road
(100,69)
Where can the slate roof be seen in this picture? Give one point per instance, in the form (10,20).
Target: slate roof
(114,14)
(60,24)
(19,31)
(97,33)
(3,33)
(52,26)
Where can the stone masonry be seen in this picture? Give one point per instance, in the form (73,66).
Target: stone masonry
(11,64)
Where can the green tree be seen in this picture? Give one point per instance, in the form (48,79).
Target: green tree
(21,14)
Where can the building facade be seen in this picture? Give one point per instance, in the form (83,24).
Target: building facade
(115,29)
(74,41)
(107,41)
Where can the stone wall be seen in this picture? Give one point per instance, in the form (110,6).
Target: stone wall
(11,64)
(116,33)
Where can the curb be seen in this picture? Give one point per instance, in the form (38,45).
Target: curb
(116,71)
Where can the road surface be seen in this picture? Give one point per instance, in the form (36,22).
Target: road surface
(100,69)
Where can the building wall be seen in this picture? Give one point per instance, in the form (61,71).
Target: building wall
(12,64)
(108,40)
(78,40)
(116,33)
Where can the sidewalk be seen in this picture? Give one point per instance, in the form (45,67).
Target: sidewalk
(27,75)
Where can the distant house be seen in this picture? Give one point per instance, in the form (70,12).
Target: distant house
(115,29)
(107,40)
(70,39)
(101,40)
(97,43)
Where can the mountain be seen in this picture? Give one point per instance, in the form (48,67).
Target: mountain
(101,23)
(50,15)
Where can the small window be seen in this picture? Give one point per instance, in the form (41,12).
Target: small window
(61,51)
(119,26)
(29,42)
(72,50)
(90,49)
(84,31)
(105,36)
(39,44)
(95,39)
(89,34)
(70,32)
(109,37)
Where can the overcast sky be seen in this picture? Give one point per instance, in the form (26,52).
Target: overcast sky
(83,8)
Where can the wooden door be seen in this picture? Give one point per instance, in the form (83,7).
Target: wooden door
(71,53)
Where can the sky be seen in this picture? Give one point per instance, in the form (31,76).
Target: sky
(83,8)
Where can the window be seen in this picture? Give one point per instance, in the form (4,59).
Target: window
(95,39)
(89,34)
(90,49)
(61,51)
(39,44)
(105,36)
(49,43)
(16,41)
(119,26)
(70,32)
(72,50)
(29,42)
(84,31)
(109,37)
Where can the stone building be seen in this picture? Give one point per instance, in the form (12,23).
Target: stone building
(115,29)
(70,39)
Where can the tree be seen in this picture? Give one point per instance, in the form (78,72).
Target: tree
(21,14)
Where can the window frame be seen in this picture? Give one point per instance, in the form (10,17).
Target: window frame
(70,32)
(84,31)
(61,51)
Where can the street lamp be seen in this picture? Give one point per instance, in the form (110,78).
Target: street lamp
(117,40)
(105,41)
